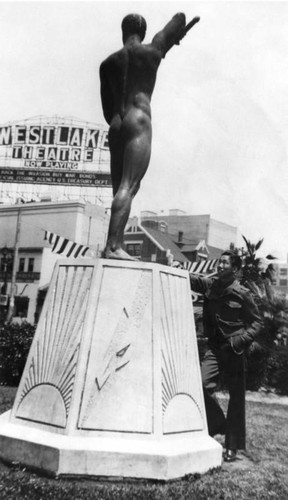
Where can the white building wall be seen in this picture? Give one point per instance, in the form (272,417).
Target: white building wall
(84,224)
(49,260)
(281,277)
(32,292)
(220,235)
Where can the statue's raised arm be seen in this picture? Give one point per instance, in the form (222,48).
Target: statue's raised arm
(173,32)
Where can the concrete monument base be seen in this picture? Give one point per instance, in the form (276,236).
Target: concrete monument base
(112,383)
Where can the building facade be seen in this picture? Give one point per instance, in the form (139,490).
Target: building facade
(281,277)
(197,236)
(191,229)
(23,229)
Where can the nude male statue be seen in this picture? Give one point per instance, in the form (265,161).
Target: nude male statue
(127,82)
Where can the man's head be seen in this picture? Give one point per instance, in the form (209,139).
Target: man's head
(133,24)
(229,263)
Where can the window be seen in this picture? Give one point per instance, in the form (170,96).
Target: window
(163,226)
(21,265)
(283,271)
(21,306)
(283,282)
(6,266)
(134,249)
(31,265)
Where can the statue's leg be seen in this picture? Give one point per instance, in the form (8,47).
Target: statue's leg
(116,153)
(116,146)
(136,135)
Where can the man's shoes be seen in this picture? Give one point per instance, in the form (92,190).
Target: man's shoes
(230,455)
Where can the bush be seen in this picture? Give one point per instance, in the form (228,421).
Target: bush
(266,368)
(257,369)
(202,347)
(277,370)
(269,370)
(15,342)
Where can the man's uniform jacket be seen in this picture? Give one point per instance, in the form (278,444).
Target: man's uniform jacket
(229,314)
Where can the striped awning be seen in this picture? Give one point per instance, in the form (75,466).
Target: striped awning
(202,267)
(65,247)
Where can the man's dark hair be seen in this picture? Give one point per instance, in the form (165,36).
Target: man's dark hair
(235,259)
(134,23)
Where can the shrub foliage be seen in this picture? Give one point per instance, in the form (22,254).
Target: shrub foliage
(15,342)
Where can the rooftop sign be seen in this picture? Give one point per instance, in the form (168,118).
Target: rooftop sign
(54,150)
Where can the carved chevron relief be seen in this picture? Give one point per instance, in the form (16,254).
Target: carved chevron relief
(181,399)
(48,380)
(114,376)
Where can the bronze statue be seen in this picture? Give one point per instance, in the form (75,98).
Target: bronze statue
(127,82)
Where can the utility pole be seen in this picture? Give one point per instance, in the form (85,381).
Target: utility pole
(14,268)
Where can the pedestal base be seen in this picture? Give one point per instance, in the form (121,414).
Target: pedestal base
(85,456)
(112,383)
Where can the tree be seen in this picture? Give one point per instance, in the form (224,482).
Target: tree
(259,279)
(273,308)
(253,269)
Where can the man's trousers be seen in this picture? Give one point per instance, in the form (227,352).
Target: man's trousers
(223,360)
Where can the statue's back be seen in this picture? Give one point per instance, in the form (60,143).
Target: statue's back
(131,72)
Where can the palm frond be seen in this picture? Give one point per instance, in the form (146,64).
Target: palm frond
(249,246)
(270,257)
(258,245)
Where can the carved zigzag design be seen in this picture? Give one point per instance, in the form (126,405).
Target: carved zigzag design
(117,353)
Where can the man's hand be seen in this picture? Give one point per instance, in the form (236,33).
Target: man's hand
(238,344)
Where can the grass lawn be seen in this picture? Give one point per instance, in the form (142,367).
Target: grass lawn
(260,473)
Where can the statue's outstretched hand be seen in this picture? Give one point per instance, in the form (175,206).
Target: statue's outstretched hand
(188,27)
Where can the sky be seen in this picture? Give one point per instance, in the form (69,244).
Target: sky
(219,108)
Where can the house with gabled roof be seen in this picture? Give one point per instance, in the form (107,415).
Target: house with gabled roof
(151,242)
(190,231)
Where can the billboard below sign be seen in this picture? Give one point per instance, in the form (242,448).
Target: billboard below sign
(82,178)
(56,150)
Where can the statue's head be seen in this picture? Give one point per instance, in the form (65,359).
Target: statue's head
(133,24)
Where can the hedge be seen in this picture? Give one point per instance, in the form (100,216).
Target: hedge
(15,342)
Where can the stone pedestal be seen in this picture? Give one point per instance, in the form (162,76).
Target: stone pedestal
(112,383)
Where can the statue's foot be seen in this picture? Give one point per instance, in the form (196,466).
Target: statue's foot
(118,254)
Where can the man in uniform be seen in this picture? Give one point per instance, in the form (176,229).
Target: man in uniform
(231,323)
(127,82)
